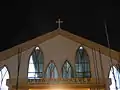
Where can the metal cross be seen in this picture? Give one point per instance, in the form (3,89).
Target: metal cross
(59,22)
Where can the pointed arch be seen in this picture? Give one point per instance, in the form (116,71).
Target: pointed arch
(51,70)
(36,62)
(82,63)
(117,77)
(4,75)
(67,70)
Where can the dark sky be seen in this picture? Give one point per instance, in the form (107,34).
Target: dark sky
(23,20)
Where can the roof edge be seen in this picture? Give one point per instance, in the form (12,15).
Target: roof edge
(93,45)
(30,43)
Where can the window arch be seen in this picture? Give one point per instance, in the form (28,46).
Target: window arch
(117,77)
(51,71)
(4,75)
(82,64)
(67,71)
(36,61)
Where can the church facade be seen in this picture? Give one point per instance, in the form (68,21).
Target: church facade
(59,60)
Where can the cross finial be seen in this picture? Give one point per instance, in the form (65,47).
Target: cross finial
(59,22)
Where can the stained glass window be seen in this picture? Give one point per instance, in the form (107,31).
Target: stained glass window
(4,75)
(82,65)
(67,70)
(35,68)
(51,71)
(117,77)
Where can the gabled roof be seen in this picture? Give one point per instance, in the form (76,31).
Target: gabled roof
(24,46)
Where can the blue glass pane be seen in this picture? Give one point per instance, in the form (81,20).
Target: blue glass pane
(55,73)
(51,71)
(87,74)
(51,66)
(41,67)
(80,75)
(87,69)
(79,68)
(67,70)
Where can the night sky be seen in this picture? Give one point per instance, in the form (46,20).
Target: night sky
(24,20)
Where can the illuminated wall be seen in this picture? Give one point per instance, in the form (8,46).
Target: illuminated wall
(58,49)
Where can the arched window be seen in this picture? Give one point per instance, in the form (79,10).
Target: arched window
(117,77)
(67,71)
(4,75)
(82,64)
(51,71)
(35,68)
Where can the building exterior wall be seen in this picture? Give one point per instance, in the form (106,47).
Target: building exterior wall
(58,49)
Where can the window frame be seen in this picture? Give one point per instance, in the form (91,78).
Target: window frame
(51,61)
(72,73)
(9,78)
(110,72)
(40,51)
(84,62)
